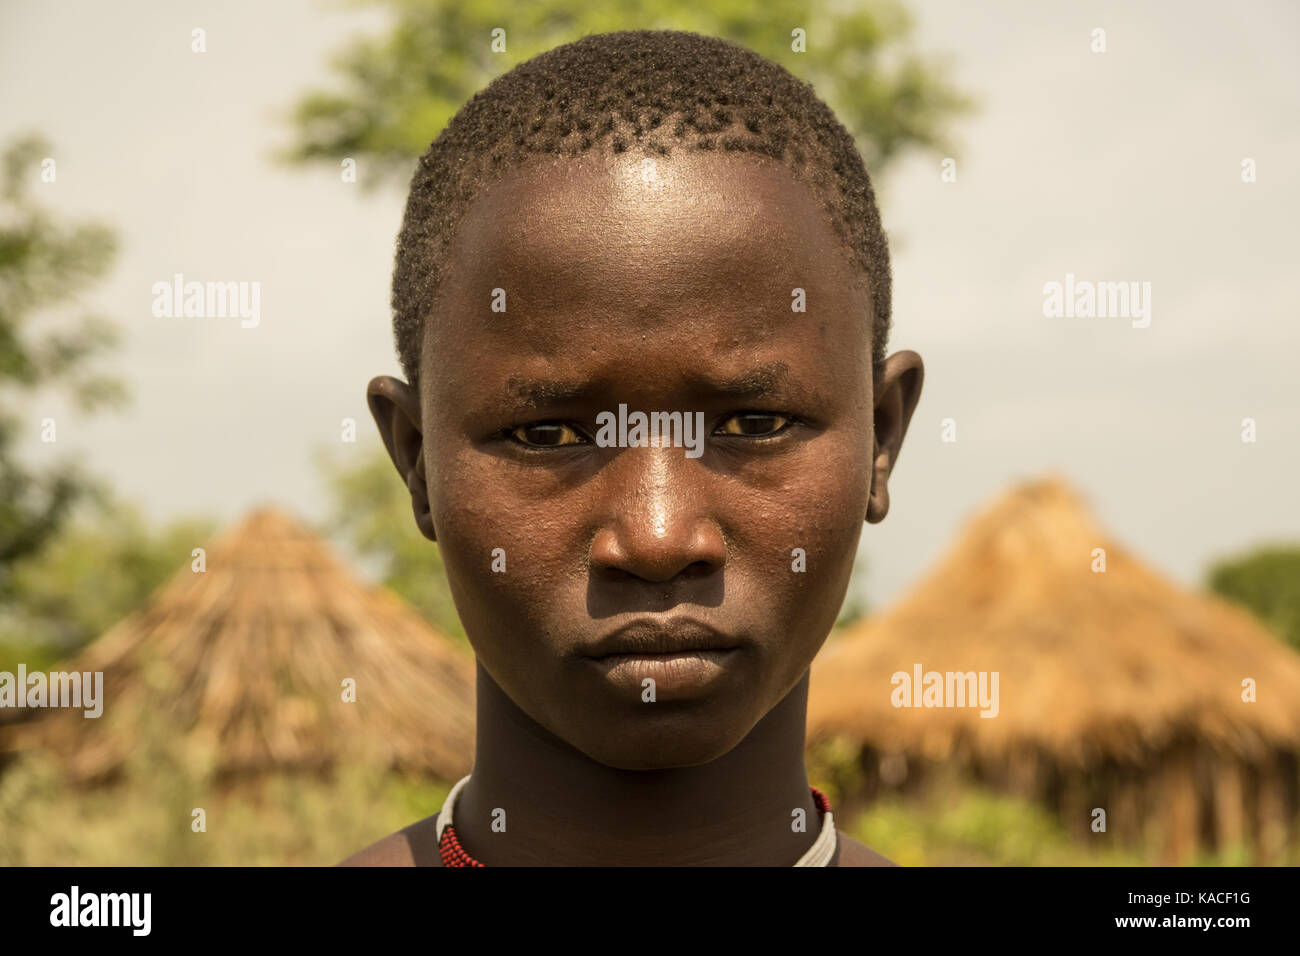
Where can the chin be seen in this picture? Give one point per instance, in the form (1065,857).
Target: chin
(686,741)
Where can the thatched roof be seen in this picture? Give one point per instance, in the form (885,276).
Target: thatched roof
(245,663)
(1091,665)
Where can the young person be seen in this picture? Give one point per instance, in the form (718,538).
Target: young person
(641,298)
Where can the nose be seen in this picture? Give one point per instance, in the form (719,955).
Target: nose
(659,521)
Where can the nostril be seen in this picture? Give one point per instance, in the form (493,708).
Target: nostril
(698,569)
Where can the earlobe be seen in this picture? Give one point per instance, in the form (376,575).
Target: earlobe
(878,502)
(897,390)
(395,407)
(418,485)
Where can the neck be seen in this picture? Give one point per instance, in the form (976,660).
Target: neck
(564,809)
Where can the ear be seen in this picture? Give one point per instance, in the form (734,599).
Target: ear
(396,409)
(897,390)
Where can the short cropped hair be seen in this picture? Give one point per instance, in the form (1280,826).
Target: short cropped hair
(649,89)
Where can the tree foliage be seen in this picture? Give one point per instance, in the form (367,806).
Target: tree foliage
(44,265)
(371,514)
(399,89)
(102,565)
(1267,581)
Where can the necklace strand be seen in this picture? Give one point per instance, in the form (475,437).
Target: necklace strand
(453,854)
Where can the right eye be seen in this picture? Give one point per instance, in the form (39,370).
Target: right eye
(546,435)
(755,424)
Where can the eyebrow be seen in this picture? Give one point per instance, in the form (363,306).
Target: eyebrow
(772,378)
(764,380)
(539,394)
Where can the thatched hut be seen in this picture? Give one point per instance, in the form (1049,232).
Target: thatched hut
(1116,689)
(250,665)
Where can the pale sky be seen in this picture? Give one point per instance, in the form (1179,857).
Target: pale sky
(1116,166)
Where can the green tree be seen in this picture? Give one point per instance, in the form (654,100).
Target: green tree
(371,515)
(1267,581)
(44,265)
(401,88)
(102,565)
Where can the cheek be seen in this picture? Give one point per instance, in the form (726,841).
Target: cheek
(801,535)
(503,556)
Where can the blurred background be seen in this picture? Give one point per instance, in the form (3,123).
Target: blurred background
(199,508)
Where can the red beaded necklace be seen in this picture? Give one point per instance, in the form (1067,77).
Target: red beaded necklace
(453,854)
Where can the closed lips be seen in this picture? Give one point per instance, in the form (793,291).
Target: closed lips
(644,638)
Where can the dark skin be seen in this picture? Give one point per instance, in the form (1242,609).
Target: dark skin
(667,287)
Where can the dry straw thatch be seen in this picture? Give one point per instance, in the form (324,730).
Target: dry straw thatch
(1117,690)
(241,667)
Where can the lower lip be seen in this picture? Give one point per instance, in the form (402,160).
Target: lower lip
(685,672)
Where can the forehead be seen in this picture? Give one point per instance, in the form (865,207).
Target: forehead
(693,247)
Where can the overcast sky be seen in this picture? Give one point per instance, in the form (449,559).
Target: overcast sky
(1116,166)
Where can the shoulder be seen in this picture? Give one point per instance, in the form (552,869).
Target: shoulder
(392,850)
(853,853)
(416,845)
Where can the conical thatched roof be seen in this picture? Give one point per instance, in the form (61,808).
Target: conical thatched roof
(246,662)
(1092,666)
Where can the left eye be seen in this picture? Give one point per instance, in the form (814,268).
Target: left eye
(754,424)
(546,435)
